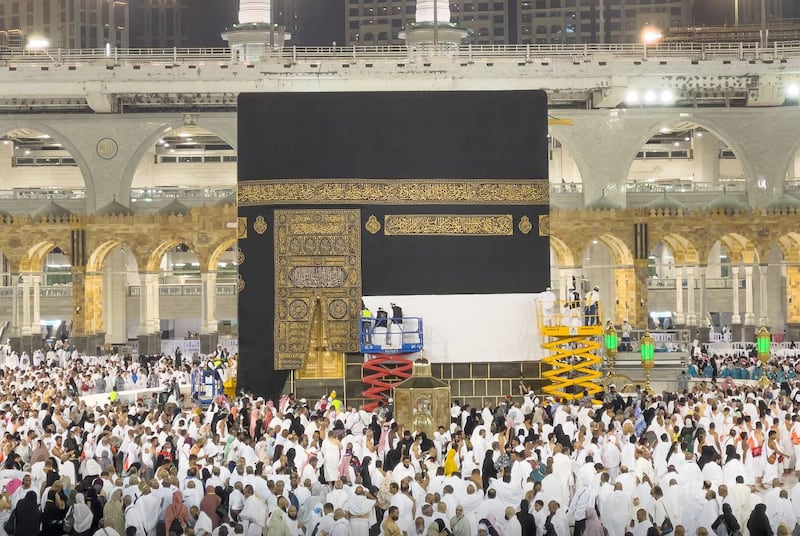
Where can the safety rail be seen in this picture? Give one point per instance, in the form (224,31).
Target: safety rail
(215,192)
(554,316)
(35,193)
(223,289)
(469,53)
(391,335)
(712,283)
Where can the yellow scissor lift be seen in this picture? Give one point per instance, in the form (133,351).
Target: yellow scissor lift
(571,347)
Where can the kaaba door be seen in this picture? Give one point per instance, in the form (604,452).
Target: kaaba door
(321,363)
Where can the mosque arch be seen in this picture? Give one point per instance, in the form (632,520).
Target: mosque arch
(561,253)
(684,250)
(34,147)
(33,259)
(563,170)
(157,255)
(792,175)
(687,155)
(217,253)
(99,257)
(789,245)
(742,249)
(176,128)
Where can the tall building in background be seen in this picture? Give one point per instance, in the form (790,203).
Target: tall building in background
(524,21)
(312,23)
(180,23)
(65,23)
(581,21)
(721,12)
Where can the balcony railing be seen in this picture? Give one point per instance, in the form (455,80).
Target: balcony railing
(390,53)
(712,283)
(736,185)
(223,289)
(212,192)
(36,193)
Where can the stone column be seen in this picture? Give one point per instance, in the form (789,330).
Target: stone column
(793,302)
(680,318)
(36,328)
(566,283)
(25,321)
(691,316)
(149,321)
(209,333)
(749,317)
(736,317)
(763,319)
(208,287)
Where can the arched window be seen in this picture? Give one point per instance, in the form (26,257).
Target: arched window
(383,36)
(369,37)
(541,29)
(555,29)
(483,32)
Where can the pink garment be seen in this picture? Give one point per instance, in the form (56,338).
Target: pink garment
(593,526)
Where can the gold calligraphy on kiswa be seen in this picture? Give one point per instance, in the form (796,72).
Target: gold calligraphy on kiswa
(448,225)
(394,191)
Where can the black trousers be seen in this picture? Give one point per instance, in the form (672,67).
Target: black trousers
(579,527)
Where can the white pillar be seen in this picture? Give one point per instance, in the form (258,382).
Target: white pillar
(736,317)
(691,316)
(680,318)
(154,318)
(255,11)
(749,317)
(149,322)
(433,11)
(25,321)
(565,284)
(763,319)
(36,328)
(16,324)
(208,322)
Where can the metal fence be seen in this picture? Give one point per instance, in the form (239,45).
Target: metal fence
(468,53)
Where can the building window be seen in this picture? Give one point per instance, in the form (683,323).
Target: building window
(541,29)
(483,6)
(369,37)
(555,29)
(383,36)
(354,25)
(499,19)
(498,6)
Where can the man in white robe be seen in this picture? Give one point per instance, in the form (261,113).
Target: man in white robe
(341,527)
(254,513)
(362,512)
(512,526)
(614,510)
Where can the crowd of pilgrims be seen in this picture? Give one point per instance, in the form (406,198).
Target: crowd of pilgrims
(712,461)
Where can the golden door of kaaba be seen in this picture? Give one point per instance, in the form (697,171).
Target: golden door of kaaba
(317,289)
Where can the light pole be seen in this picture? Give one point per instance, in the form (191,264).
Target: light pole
(763,339)
(611,344)
(736,13)
(647,349)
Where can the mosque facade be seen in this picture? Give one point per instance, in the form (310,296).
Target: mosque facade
(673,179)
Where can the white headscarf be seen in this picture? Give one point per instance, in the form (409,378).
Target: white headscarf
(81,514)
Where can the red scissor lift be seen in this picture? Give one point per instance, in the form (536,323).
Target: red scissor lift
(386,344)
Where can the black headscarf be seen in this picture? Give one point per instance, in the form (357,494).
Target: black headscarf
(727,518)
(29,518)
(758,524)
(488,471)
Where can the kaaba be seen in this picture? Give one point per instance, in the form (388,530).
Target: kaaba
(353,194)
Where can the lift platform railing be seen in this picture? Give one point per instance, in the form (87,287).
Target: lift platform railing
(572,316)
(391,335)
